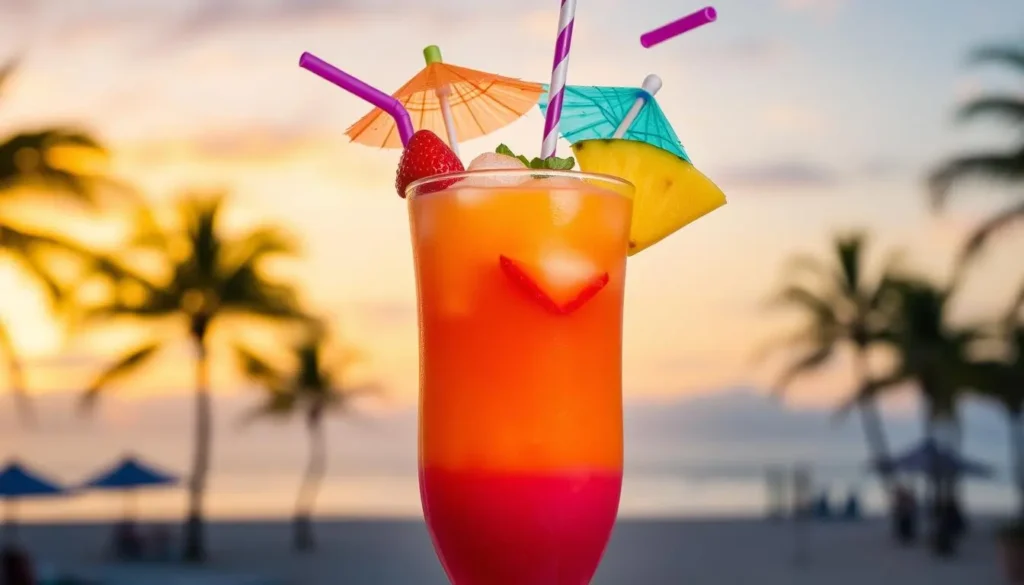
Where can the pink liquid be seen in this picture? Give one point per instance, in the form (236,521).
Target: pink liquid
(520,528)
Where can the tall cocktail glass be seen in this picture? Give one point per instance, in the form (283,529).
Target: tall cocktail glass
(520,276)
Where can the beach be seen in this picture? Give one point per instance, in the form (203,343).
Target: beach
(641,552)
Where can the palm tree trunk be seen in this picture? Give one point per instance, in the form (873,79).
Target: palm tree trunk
(195,549)
(873,426)
(315,469)
(1016,426)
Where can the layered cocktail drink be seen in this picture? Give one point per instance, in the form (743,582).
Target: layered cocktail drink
(520,273)
(520,276)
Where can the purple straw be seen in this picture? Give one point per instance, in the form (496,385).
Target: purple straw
(559,70)
(360,89)
(675,28)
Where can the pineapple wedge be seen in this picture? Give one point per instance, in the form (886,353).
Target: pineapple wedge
(670,192)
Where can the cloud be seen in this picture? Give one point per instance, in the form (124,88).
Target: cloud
(883,167)
(824,8)
(808,174)
(254,142)
(751,51)
(794,118)
(789,174)
(212,15)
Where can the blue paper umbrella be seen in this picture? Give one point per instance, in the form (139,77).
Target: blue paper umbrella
(590,112)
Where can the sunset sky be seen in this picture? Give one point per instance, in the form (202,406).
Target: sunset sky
(813,115)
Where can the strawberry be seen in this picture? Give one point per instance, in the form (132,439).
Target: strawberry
(520,278)
(426,155)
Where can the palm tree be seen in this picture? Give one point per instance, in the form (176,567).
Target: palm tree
(1003,382)
(311,386)
(1006,166)
(204,278)
(841,307)
(32,163)
(931,354)
(936,358)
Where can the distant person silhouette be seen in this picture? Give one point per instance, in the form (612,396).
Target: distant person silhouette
(905,514)
(822,508)
(16,567)
(852,509)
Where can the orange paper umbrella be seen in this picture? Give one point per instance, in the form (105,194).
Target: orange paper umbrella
(450,101)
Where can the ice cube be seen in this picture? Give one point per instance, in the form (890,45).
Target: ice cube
(492,161)
(564,206)
(470,192)
(566,270)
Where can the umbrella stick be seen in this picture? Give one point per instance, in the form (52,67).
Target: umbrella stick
(449,121)
(431,55)
(130,504)
(10,527)
(652,83)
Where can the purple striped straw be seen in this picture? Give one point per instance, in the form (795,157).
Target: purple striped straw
(559,71)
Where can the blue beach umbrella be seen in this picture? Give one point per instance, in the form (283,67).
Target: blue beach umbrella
(128,476)
(18,482)
(595,112)
(928,456)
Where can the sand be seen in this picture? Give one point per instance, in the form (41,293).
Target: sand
(642,552)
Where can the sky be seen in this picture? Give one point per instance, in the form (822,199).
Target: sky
(815,116)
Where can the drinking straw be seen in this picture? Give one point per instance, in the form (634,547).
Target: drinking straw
(652,83)
(559,69)
(361,90)
(675,28)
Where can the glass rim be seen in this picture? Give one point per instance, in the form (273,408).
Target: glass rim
(413,187)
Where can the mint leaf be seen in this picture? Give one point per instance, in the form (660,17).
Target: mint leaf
(505,150)
(560,164)
(553,163)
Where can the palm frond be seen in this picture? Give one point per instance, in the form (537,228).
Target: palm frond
(340,398)
(1013,316)
(989,228)
(277,404)
(27,159)
(258,369)
(247,293)
(15,373)
(807,264)
(870,390)
(1002,55)
(199,214)
(7,71)
(849,252)
(1008,108)
(796,296)
(124,366)
(892,272)
(799,338)
(999,167)
(260,244)
(805,363)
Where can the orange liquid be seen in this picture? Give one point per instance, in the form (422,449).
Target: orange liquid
(517,397)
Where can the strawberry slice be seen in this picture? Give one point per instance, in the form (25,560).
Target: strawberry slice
(426,155)
(515,272)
